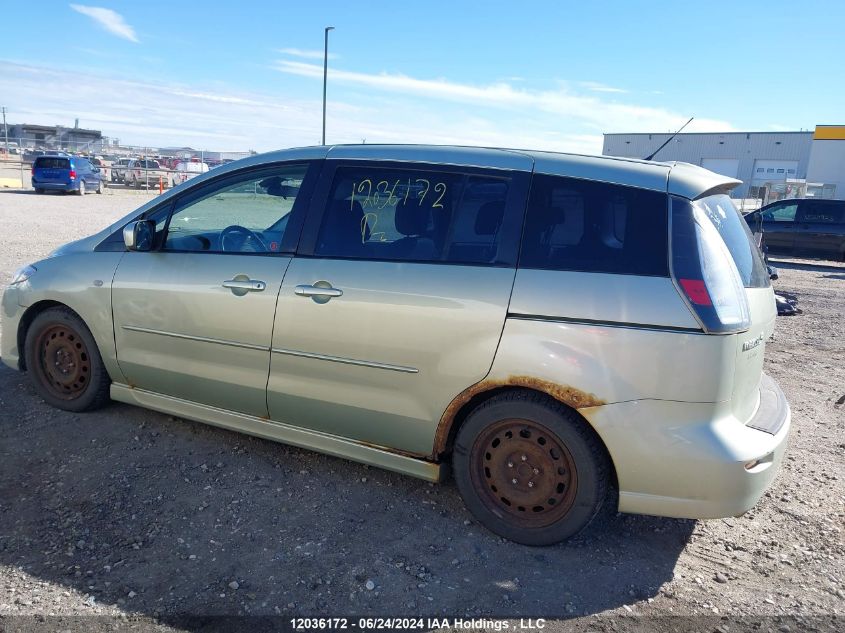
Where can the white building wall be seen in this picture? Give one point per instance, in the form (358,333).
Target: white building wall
(719,148)
(827,165)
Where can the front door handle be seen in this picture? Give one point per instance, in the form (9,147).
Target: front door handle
(318,291)
(244,284)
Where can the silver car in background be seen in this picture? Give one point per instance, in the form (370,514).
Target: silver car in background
(555,327)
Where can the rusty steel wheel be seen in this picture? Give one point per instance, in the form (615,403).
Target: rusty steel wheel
(524,471)
(64,365)
(64,362)
(529,468)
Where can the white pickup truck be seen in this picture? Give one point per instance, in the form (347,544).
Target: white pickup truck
(146,172)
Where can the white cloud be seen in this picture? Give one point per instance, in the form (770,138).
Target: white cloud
(588,110)
(110,20)
(401,110)
(595,86)
(304,53)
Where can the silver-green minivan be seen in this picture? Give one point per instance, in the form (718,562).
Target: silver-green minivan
(557,328)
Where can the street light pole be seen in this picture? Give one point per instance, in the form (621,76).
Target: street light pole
(325,77)
(6,131)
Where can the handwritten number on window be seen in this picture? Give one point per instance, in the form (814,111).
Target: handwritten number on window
(440,188)
(383,195)
(421,195)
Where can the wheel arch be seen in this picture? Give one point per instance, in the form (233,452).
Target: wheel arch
(26,321)
(471,398)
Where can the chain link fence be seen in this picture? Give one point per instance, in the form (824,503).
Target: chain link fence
(121,166)
(763,193)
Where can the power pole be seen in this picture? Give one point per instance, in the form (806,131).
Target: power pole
(325,76)
(6,131)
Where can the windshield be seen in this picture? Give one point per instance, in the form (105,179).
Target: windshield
(722,213)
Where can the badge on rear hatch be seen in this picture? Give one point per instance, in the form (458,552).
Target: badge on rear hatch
(748,345)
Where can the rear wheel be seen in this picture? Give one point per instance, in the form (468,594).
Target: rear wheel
(529,468)
(64,363)
(39,191)
(100,186)
(81,190)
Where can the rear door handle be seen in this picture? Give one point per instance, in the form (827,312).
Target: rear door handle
(318,291)
(248,285)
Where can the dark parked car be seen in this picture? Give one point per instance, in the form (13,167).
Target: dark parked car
(809,226)
(65,173)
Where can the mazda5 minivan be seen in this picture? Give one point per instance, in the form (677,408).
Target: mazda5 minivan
(559,329)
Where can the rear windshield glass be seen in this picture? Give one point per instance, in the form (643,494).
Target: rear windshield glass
(722,213)
(49,162)
(590,226)
(147,164)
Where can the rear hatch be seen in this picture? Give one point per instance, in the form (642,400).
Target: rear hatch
(720,268)
(52,169)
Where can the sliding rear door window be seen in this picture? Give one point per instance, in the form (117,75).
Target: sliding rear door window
(418,214)
(589,226)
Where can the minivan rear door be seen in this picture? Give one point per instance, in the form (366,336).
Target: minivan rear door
(750,342)
(52,169)
(396,300)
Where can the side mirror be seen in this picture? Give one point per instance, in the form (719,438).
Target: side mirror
(139,236)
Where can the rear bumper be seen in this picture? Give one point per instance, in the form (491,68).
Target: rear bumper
(55,186)
(693,460)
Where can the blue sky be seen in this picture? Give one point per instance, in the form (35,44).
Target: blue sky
(546,75)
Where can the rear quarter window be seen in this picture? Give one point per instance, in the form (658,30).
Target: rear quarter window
(52,163)
(589,226)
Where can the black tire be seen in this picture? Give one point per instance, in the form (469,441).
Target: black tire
(38,191)
(565,462)
(100,186)
(81,190)
(64,363)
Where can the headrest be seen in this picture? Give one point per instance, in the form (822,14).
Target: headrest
(489,217)
(348,218)
(411,218)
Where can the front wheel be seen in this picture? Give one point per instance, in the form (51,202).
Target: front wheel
(64,363)
(530,469)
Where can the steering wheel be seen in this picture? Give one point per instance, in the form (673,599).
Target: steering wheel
(239,237)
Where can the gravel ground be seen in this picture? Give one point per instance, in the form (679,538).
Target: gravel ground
(136,514)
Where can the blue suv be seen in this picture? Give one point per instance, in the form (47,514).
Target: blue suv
(66,173)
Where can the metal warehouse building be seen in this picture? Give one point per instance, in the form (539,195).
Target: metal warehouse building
(770,164)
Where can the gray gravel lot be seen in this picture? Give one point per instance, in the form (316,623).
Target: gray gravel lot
(127,511)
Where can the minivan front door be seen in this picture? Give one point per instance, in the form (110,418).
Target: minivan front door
(398,300)
(194,317)
(779,226)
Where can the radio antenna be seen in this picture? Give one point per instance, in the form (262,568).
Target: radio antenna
(654,153)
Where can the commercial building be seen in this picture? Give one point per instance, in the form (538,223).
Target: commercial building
(771,165)
(29,135)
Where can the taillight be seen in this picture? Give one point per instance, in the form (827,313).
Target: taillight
(696,291)
(706,272)
(72,174)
